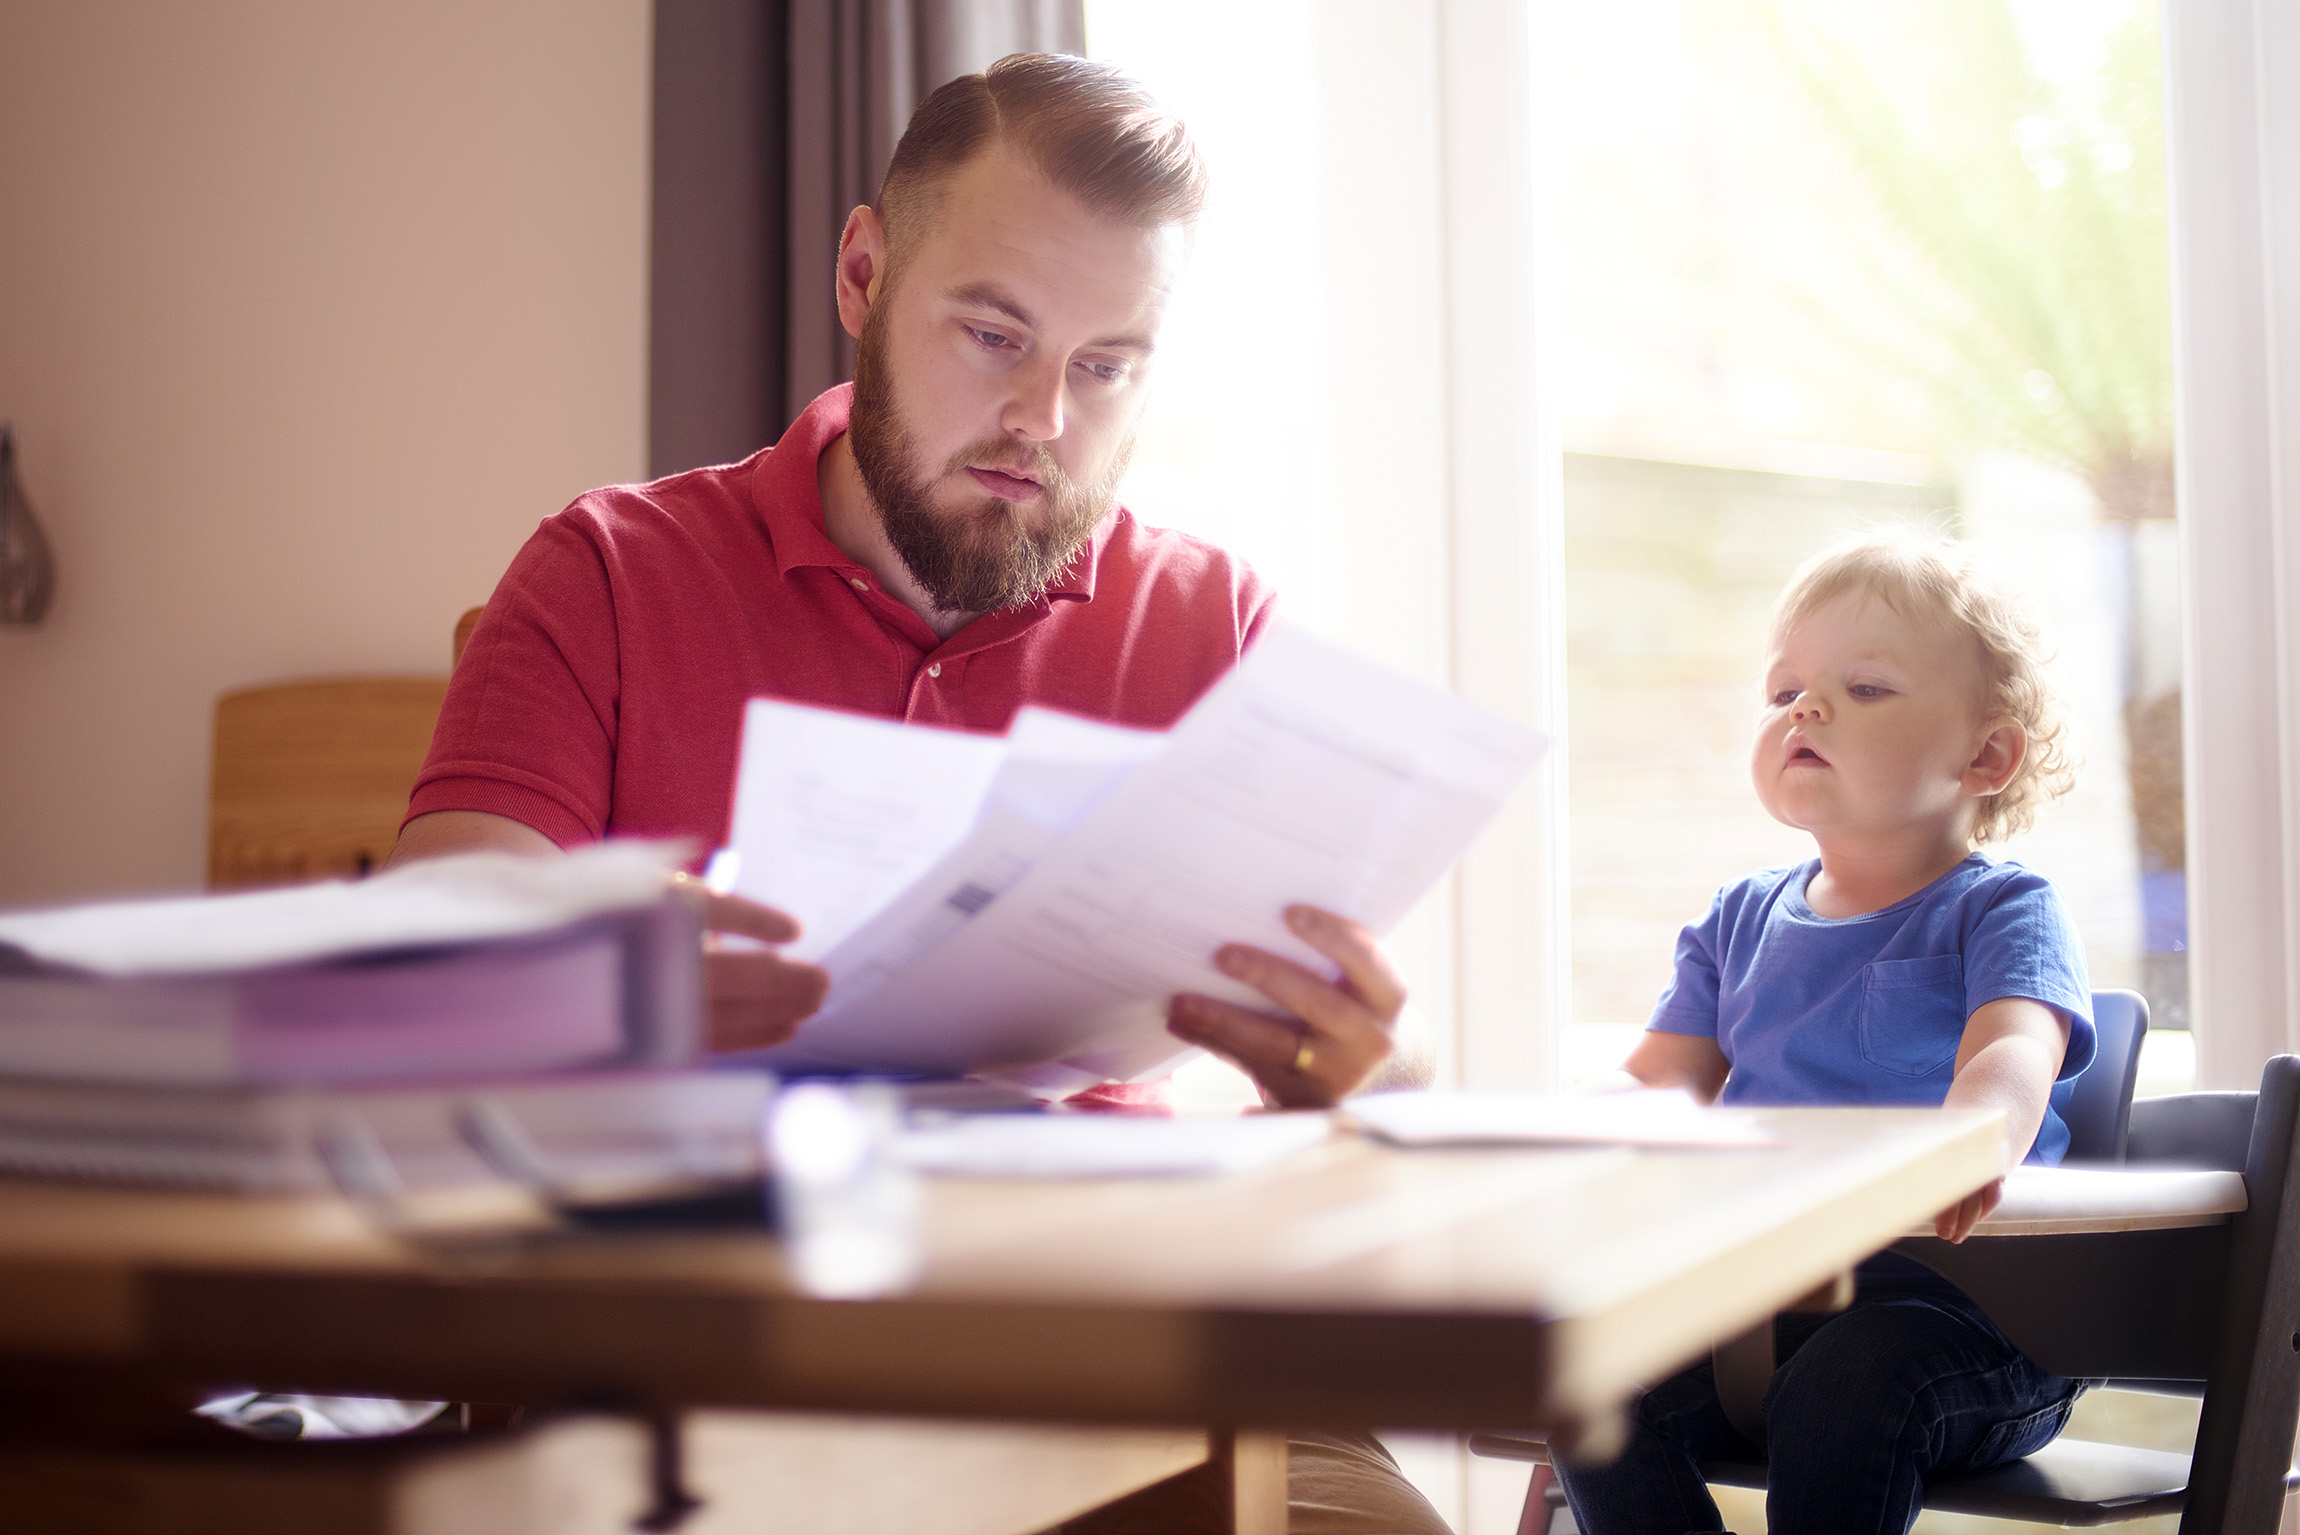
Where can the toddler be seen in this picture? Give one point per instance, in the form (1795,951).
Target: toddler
(1907,719)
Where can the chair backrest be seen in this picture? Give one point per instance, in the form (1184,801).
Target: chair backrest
(2147,1305)
(2099,1105)
(2193,1130)
(311,778)
(2252,1396)
(463,627)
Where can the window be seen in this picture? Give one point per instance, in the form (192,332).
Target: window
(1310,404)
(1828,267)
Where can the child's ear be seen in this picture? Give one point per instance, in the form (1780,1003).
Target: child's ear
(2001,753)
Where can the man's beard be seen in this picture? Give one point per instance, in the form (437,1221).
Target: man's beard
(983,557)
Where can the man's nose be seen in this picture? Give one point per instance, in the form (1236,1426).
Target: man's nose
(1035,408)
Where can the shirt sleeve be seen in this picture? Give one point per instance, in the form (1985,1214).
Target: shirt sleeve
(2023,944)
(529,724)
(1258,604)
(1688,1004)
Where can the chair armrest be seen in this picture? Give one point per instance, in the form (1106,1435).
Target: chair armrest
(2042,1201)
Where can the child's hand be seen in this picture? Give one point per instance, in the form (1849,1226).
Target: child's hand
(1957,1222)
(1690,1061)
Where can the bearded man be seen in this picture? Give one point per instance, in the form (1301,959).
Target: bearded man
(941,544)
(938,543)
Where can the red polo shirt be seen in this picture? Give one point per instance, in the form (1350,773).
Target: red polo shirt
(603,689)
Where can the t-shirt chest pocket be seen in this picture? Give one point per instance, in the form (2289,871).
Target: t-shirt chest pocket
(1913,1014)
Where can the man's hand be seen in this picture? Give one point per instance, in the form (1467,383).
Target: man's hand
(1329,1038)
(758,998)
(1957,1222)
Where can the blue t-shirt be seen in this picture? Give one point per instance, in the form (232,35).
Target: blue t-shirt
(1870,1009)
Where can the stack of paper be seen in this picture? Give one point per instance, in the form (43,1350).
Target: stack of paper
(484,964)
(1026,905)
(592,1128)
(212,1040)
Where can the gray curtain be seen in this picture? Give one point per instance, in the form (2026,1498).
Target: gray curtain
(857,68)
(772,120)
(717,282)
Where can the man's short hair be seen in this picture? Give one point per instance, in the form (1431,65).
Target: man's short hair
(1087,129)
(1939,580)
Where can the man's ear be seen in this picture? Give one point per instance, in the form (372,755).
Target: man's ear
(861,269)
(2001,753)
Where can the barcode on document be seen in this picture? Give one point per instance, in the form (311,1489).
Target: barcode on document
(970,898)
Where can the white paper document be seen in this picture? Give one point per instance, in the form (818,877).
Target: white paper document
(835,813)
(1106,1145)
(1665,1118)
(1099,869)
(467,899)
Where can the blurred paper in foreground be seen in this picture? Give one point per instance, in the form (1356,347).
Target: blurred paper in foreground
(1103,868)
(1661,1119)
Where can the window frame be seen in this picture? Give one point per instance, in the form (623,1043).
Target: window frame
(2233,169)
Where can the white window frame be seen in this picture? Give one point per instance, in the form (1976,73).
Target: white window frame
(2233,164)
(1505,490)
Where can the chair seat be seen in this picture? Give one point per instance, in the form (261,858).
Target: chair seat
(2070,1482)
(2075,1483)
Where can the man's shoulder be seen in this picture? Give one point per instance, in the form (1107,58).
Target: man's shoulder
(675,528)
(731,511)
(705,497)
(1171,560)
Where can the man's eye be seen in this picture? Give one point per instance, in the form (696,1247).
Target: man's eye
(1104,372)
(989,340)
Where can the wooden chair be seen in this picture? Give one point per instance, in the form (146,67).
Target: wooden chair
(463,627)
(2199,1310)
(311,778)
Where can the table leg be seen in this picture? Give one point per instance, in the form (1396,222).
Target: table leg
(1744,1366)
(1240,1490)
(1253,1464)
(666,1476)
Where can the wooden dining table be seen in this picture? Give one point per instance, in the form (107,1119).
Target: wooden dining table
(1350,1284)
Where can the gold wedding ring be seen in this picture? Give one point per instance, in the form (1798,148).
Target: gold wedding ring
(1304,1057)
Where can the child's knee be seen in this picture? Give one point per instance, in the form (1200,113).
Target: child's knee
(1857,1378)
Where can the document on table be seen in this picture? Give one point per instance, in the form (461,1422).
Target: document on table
(1100,869)
(1663,1118)
(1106,1145)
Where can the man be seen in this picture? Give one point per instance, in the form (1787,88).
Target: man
(938,544)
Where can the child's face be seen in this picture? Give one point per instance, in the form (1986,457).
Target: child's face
(1873,727)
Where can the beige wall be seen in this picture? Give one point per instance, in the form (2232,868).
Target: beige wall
(308,312)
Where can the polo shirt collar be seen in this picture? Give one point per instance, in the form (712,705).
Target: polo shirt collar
(784,490)
(789,501)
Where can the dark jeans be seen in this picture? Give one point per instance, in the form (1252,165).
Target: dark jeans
(1863,1406)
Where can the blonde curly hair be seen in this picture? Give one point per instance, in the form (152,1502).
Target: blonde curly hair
(1921,576)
